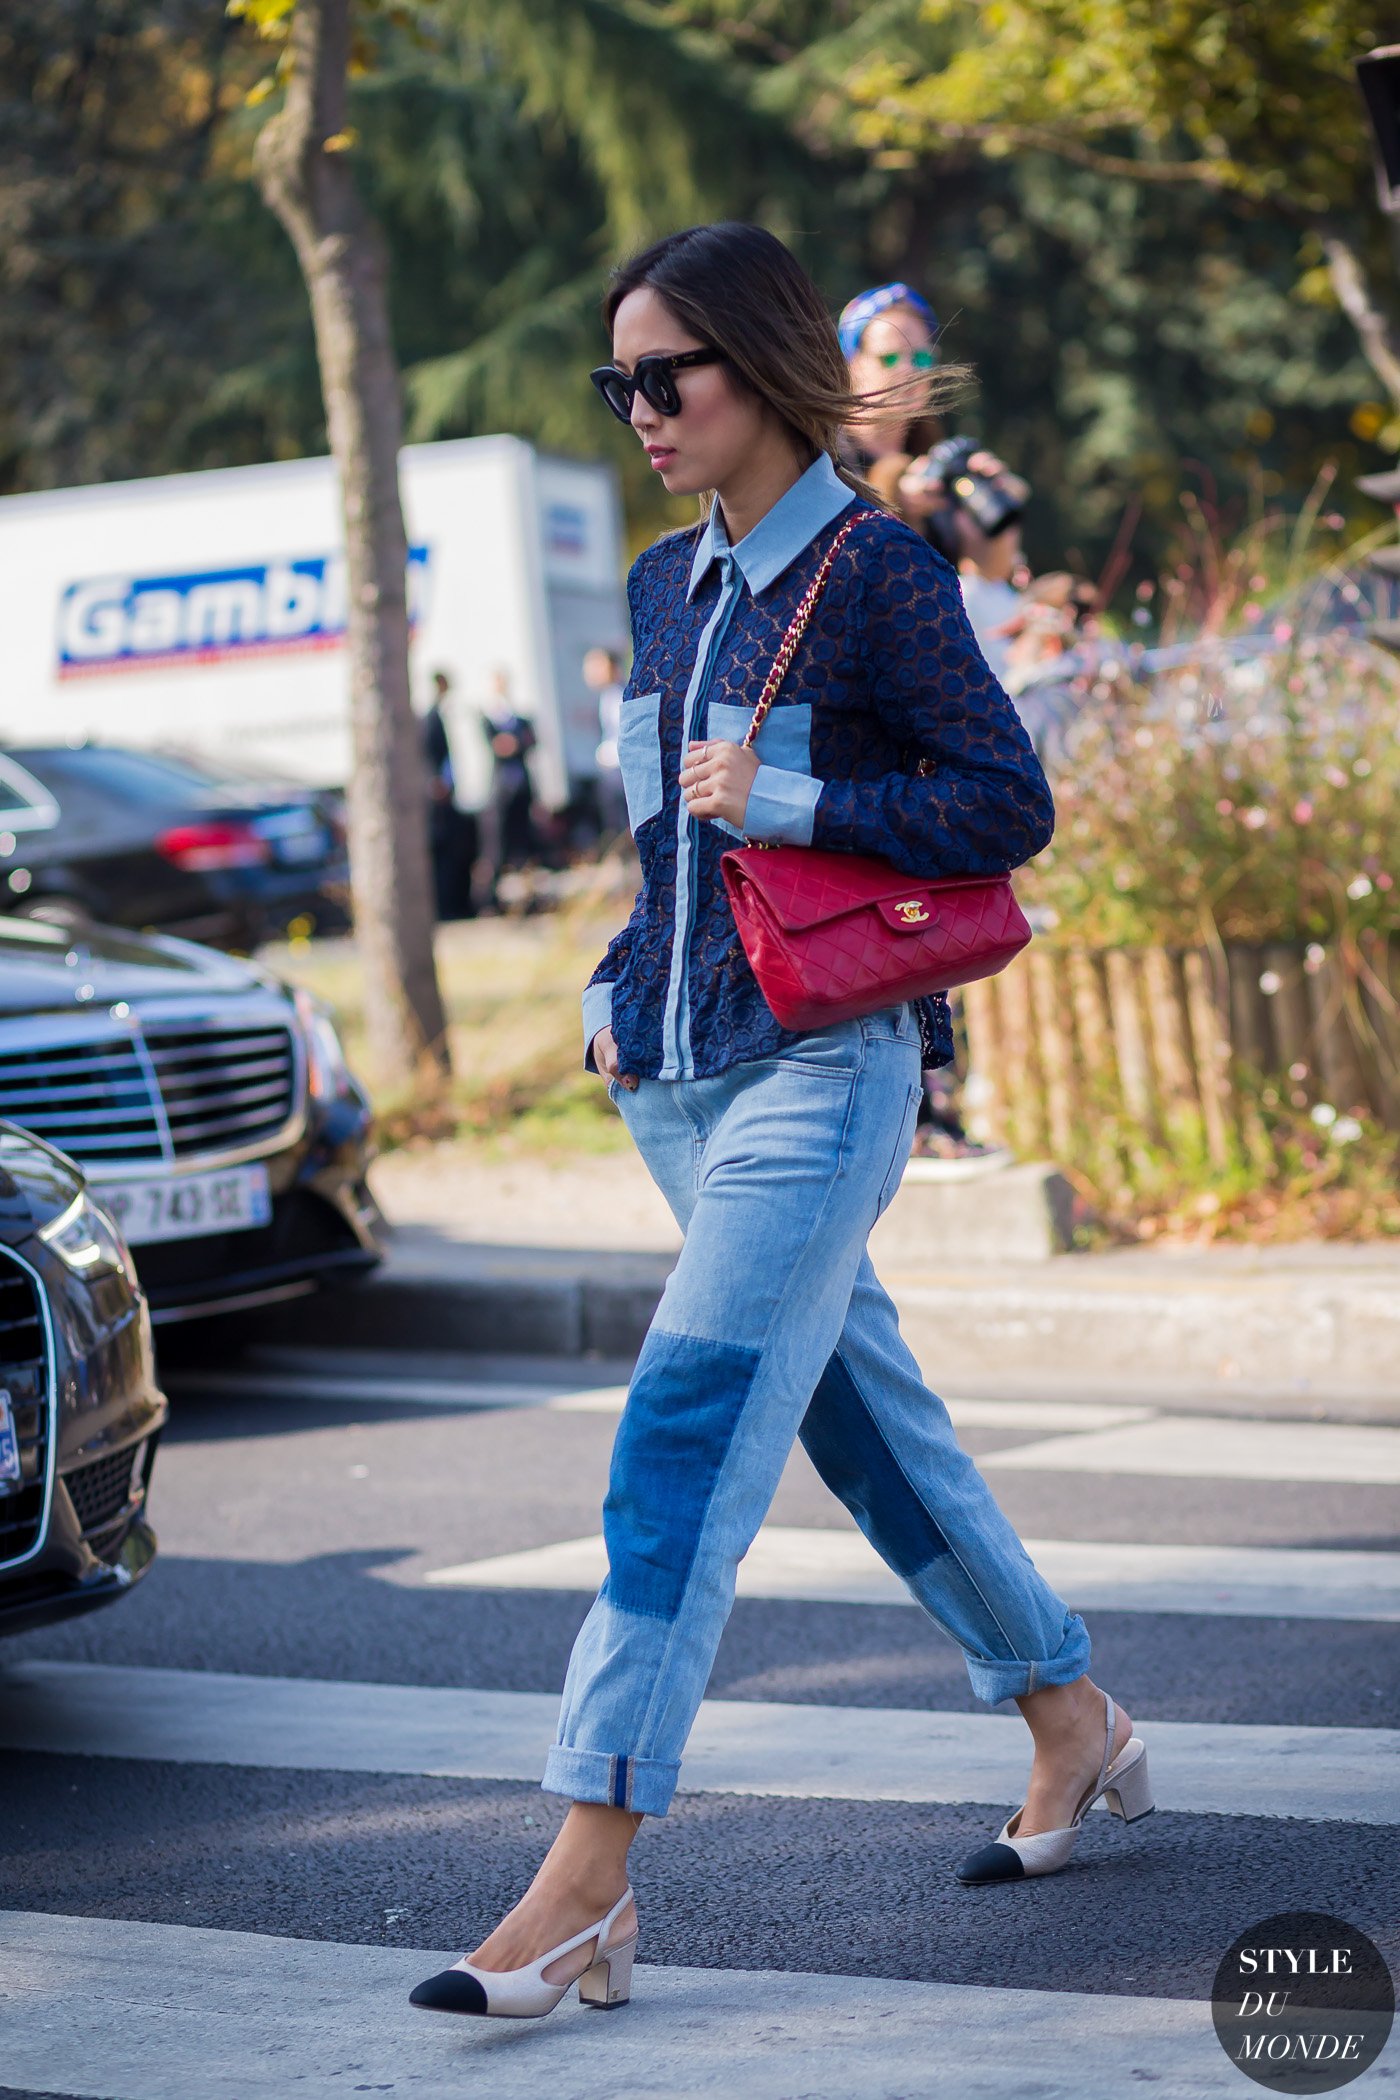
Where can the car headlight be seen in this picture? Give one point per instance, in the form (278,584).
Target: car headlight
(328,1075)
(87,1242)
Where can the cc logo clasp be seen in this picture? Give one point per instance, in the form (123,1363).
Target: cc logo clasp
(912,912)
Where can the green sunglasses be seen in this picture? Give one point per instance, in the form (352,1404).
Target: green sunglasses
(921,360)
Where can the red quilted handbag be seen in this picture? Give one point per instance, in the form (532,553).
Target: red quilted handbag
(832,935)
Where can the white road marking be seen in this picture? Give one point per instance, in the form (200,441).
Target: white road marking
(388,1392)
(738,1746)
(1220,1448)
(273,1384)
(593,1400)
(1086,1436)
(965,1413)
(162,2012)
(841,1567)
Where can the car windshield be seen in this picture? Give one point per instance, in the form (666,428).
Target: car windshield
(20,793)
(156,777)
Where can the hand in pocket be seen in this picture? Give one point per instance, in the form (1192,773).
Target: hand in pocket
(605,1057)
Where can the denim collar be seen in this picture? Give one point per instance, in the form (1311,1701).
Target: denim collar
(780,535)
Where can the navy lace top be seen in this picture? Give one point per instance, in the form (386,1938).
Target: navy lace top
(888,673)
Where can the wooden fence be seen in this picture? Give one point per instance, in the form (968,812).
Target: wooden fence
(1182,1044)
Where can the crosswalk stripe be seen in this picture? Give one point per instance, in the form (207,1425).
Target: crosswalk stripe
(376,1387)
(841,1567)
(751,1747)
(1084,1436)
(966,1412)
(1219,1448)
(141,2011)
(462,1393)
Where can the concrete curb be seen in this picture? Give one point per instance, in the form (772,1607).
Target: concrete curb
(1223,1331)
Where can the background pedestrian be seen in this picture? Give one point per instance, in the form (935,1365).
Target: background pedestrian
(603,674)
(453,833)
(509,820)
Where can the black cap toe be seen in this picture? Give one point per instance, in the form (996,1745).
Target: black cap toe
(994,1862)
(450,1991)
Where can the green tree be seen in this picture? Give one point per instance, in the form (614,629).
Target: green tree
(154,318)
(1250,102)
(109,117)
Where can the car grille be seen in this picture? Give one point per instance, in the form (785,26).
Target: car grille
(24,1375)
(157,1095)
(101,1490)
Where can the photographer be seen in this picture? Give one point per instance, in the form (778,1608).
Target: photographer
(888,338)
(976,508)
(961,497)
(967,505)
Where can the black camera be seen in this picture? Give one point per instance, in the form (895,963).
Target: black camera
(992,501)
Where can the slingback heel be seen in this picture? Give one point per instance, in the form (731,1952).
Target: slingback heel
(524,1994)
(1126,1787)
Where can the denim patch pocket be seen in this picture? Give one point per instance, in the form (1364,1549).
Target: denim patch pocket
(685,1401)
(785,739)
(847,1446)
(639,755)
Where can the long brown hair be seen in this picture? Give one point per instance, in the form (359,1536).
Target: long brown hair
(741,291)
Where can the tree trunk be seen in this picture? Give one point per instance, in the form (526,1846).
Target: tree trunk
(1376,332)
(304,176)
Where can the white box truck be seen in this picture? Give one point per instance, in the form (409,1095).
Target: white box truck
(206,612)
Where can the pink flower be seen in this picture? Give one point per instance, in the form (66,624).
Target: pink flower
(1302,812)
(1224,808)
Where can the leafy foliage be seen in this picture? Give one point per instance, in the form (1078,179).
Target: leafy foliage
(153,318)
(1255,98)
(1272,820)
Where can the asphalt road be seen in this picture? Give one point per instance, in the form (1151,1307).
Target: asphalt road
(297,1537)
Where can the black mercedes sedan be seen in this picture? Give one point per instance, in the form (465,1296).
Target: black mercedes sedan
(149,839)
(208,1104)
(80,1410)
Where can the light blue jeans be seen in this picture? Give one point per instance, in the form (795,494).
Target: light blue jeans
(772,1326)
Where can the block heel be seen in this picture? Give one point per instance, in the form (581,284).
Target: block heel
(1129,1794)
(609,1981)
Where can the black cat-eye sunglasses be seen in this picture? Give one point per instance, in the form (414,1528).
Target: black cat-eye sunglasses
(651,376)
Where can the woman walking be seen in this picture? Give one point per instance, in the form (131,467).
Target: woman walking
(777,1152)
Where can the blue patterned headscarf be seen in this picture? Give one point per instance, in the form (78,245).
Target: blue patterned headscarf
(858,313)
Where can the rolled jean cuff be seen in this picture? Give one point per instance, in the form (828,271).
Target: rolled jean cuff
(996,1680)
(643,1784)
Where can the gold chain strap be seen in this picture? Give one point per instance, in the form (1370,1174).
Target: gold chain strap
(797,627)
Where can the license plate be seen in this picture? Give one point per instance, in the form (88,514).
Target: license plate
(185,1206)
(9,1442)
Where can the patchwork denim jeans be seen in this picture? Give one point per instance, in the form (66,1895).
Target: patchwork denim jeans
(773,1325)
